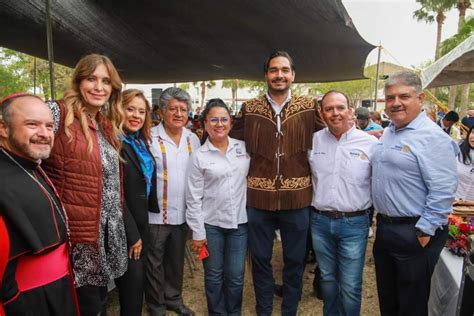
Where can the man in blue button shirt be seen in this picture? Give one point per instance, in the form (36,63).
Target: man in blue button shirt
(413,184)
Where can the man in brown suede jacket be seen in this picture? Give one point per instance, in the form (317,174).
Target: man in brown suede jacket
(277,129)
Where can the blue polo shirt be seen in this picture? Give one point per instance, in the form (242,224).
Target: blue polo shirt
(372,126)
(414,173)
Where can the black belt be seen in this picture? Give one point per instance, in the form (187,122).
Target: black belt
(338,215)
(397,220)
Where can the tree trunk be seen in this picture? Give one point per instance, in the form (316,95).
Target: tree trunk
(234,97)
(440,17)
(462,6)
(452,97)
(465,88)
(203,93)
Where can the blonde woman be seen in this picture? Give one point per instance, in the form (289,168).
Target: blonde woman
(85,168)
(139,181)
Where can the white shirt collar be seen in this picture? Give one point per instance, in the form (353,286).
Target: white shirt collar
(208,146)
(345,136)
(273,103)
(159,131)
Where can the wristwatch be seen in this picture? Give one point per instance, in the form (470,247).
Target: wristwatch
(420,233)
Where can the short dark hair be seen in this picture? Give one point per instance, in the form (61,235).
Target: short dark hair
(335,92)
(278,53)
(213,103)
(451,116)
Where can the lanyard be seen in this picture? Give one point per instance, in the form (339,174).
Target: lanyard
(165,176)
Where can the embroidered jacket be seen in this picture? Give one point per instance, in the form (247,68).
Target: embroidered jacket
(279,176)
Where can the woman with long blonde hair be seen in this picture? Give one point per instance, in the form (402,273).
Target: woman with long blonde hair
(85,168)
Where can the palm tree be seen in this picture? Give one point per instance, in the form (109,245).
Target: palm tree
(434,10)
(233,84)
(204,85)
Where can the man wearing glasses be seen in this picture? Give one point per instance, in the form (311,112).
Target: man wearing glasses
(171,146)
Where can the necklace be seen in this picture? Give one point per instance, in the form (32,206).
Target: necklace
(60,210)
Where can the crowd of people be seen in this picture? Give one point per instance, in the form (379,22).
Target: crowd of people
(90,192)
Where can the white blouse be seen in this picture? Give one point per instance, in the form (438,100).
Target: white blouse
(216,187)
(465,189)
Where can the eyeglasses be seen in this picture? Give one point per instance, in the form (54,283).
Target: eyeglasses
(214,120)
(176,110)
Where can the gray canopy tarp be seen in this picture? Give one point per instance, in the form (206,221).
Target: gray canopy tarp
(157,41)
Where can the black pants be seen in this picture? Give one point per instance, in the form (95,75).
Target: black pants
(293,225)
(92,299)
(131,287)
(404,268)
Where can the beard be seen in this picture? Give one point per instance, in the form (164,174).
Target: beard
(26,148)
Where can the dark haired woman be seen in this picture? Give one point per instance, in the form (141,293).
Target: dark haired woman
(465,189)
(139,180)
(216,191)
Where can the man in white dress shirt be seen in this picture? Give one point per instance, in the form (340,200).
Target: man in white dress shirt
(171,146)
(341,172)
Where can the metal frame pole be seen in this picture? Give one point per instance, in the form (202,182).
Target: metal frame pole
(49,37)
(377,78)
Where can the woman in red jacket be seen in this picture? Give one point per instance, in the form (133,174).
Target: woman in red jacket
(85,168)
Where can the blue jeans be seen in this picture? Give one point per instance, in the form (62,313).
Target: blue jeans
(293,225)
(224,269)
(340,246)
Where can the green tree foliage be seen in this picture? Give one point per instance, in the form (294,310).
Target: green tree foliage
(13,73)
(450,43)
(356,90)
(204,85)
(17,73)
(466,30)
(236,84)
(431,11)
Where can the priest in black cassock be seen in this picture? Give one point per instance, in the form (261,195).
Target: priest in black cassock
(35,277)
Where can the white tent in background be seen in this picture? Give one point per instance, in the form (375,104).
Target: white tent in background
(456,67)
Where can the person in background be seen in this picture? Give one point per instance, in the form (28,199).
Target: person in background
(155,116)
(340,161)
(216,196)
(364,121)
(85,168)
(414,180)
(465,190)
(139,180)
(376,117)
(171,147)
(447,122)
(466,123)
(35,273)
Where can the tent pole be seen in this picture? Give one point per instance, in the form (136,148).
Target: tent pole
(377,78)
(34,75)
(49,37)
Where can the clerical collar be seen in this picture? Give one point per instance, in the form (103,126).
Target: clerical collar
(25,163)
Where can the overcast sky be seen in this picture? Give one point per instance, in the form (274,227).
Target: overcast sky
(391,23)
